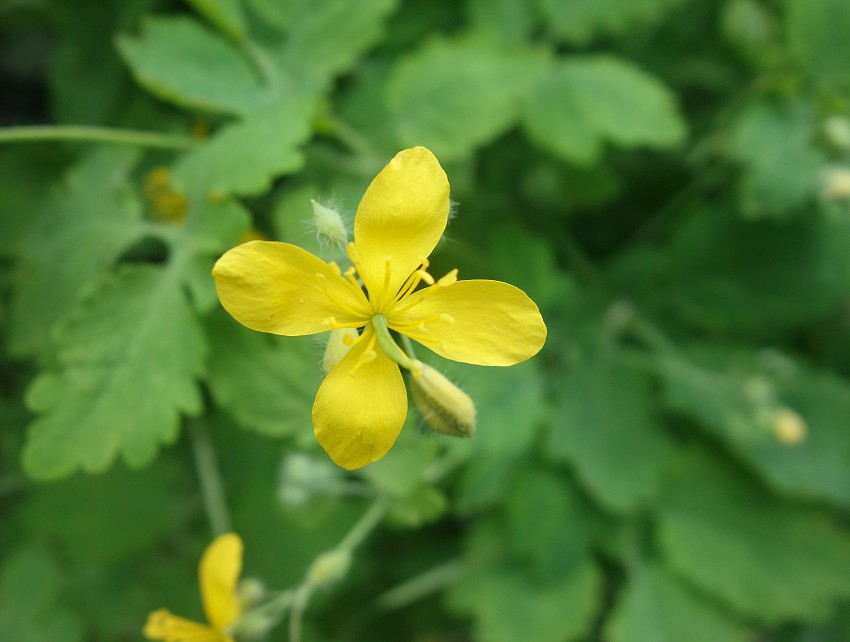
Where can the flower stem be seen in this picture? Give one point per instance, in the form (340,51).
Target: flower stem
(83,133)
(390,347)
(423,585)
(408,346)
(358,533)
(212,489)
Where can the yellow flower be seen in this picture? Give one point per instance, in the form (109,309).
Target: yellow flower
(362,403)
(218,573)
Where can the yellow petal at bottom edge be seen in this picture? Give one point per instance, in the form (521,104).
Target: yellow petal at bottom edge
(164,626)
(218,573)
(359,410)
(489,323)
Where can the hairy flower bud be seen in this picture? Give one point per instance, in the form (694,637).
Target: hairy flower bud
(329,225)
(339,343)
(444,407)
(329,568)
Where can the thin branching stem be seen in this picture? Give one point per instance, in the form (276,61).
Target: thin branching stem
(89,134)
(209,477)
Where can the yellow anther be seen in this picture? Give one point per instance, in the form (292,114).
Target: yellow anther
(367,357)
(448,279)
(447,318)
(422,274)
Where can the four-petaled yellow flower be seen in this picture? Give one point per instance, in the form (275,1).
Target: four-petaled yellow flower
(218,573)
(362,403)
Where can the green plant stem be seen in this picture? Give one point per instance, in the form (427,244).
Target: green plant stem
(408,346)
(355,536)
(390,347)
(423,585)
(361,530)
(212,489)
(82,133)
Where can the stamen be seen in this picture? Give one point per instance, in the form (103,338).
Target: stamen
(447,318)
(349,274)
(343,305)
(448,279)
(445,281)
(368,356)
(386,286)
(418,275)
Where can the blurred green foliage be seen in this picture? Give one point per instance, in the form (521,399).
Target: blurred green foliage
(668,179)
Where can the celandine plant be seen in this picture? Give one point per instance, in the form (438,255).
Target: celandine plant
(362,403)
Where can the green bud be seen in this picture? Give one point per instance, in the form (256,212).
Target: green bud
(329,225)
(444,407)
(302,477)
(329,568)
(339,343)
(837,130)
(789,427)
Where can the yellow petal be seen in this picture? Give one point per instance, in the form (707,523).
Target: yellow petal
(400,219)
(282,289)
(218,573)
(167,627)
(488,323)
(361,405)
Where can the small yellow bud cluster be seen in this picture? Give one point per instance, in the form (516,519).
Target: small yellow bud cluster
(445,407)
(783,423)
(789,427)
(166,204)
(329,225)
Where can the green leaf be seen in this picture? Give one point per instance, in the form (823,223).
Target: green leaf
(180,60)
(507,607)
(109,518)
(455,95)
(609,431)
(738,395)
(24,171)
(817,34)
(770,279)
(327,38)
(507,427)
(656,607)
(537,272)
(245,157)
(267,383)
(556,545)
(29,587)
(87,81)
(782,169)
(765,558)
(127,367)
(587,100)
(579,21)
(211,229)
(227,15)
(89,222)
(510,20)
